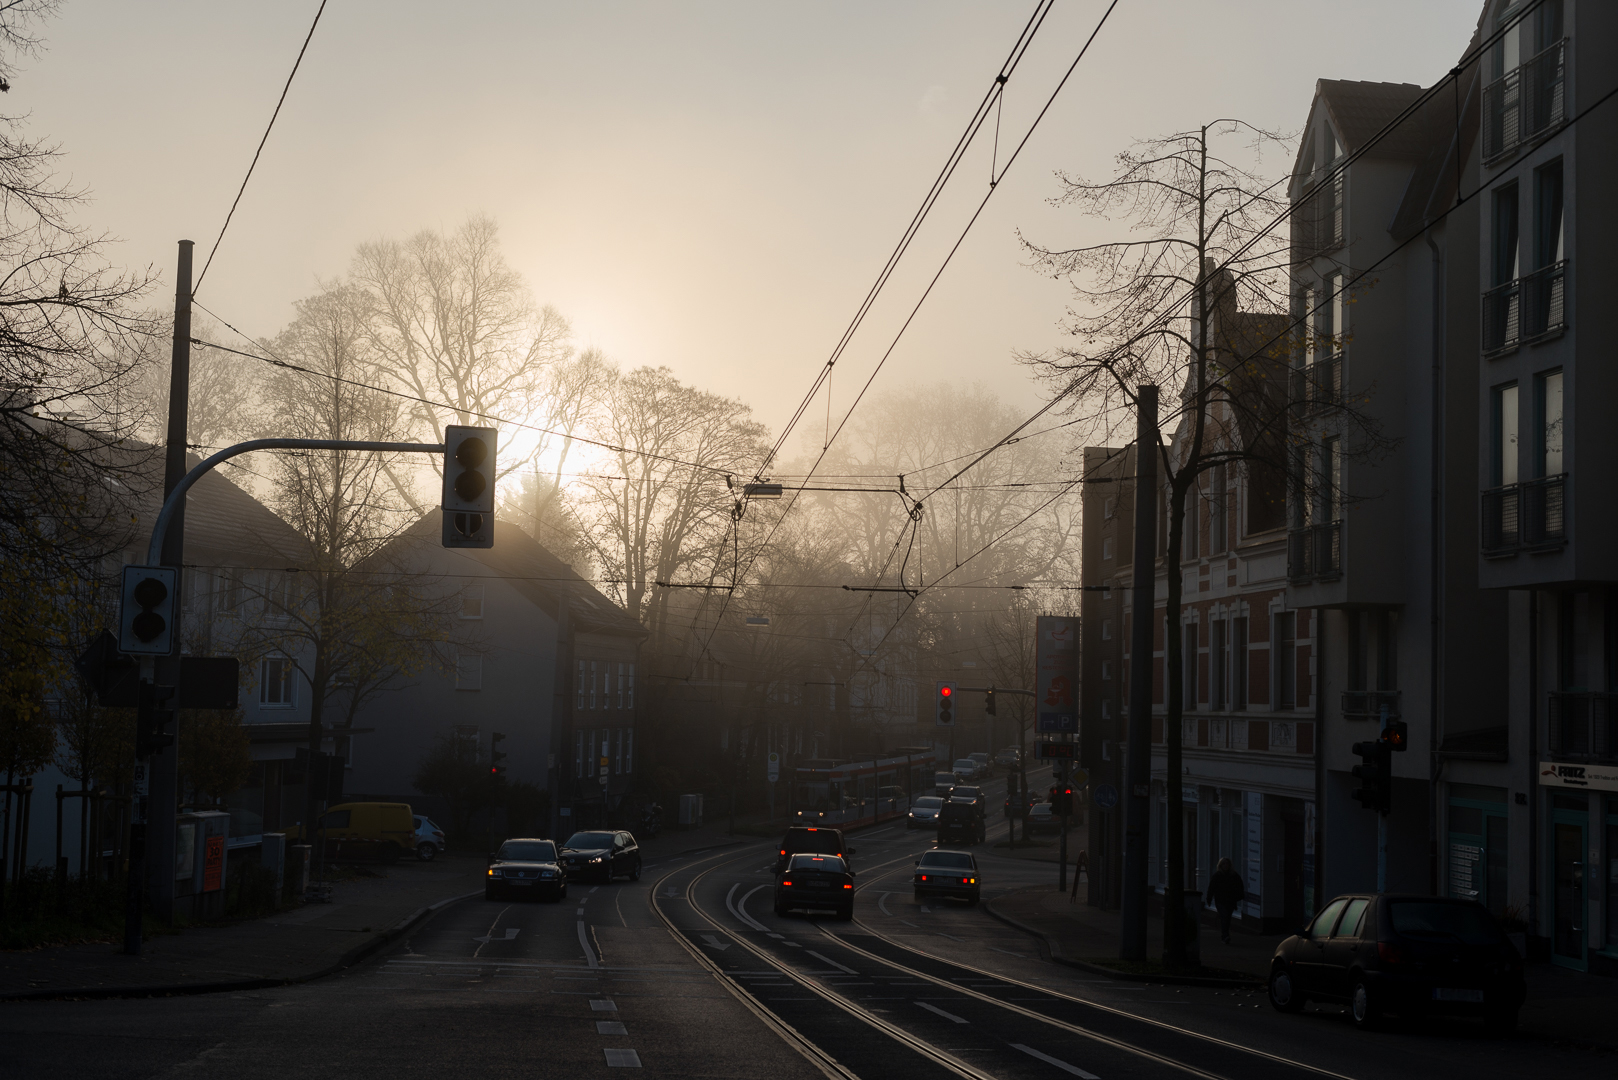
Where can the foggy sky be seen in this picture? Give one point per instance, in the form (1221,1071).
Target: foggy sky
(707,186)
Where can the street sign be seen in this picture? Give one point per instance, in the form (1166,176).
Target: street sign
(1056,667)
(605,763)
(1106,796)
(1058,723)
(774,770)
(1077,777)
(1054,751)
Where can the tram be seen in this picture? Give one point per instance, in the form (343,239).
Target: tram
(850,794)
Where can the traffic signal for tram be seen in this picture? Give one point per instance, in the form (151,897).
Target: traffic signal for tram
(468,501)
(1375,774)
(146,618)
(946,704)
(496,755)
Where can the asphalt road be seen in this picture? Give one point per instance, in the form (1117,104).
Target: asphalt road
(689,973)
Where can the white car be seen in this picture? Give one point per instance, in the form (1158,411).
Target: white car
(429,838)
(924,812)
(966,769)
(984,768)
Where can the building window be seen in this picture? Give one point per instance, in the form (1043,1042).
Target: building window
(578,687)
(629,750)
(1238,666)
(1549,240)
(472,602)
(275,685)
(1106,669)
(1106,629)
(1505,435)
(578,754)
(1503,259)
(1285,648)
(1109,506)
(620,697)
(1218,521)
(469,673)
(280,594)
(1106,547)
(1189,684)
(629,695)
(1218,659)
(1331,479)
(1193,523)
(591,697)
(1550,424)
(228,591)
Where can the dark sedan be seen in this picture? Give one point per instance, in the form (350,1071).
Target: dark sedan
(947,873)
(523,869)
(816,881)
(601,856)
(1406,954)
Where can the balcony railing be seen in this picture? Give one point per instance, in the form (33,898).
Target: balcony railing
(1582,726)
(1315,553)
(1525,103)
(1530,307)
(1528,516)
(1368,704)
(1318,387)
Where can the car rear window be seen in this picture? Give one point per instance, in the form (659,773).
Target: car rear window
(929,801)
(824,841)
(952,860)
(1436,920)
(528,851)
(959,792)
(589,840)
(818,862)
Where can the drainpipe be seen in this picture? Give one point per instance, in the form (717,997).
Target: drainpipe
(1533,763)
(1436,572)
(1320,757)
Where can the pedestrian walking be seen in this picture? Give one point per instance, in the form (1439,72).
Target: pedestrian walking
(1081,865)
(1225,892)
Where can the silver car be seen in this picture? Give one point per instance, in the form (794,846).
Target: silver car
(429,838)
(924,812)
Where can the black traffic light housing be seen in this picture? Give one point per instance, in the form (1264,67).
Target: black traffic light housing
(988,703)
(152,720)
(496,755)
(147,610)
(946,704)
(1397,735)
(1062,799)
(468,501)
(1375,774)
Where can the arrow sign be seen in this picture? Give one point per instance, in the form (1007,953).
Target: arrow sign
(670,893)
(511,934)
(715,943)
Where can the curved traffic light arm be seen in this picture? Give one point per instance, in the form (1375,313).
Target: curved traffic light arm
(154,553)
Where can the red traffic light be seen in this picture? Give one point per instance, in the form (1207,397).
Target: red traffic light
(945,691)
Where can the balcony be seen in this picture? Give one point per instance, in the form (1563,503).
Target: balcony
(1315,553)
(1368,704)
(1525,104)
(1531,516)
(1527,309)
(1582,727)
(1318,387)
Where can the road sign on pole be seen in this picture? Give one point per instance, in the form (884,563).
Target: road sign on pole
(774,768)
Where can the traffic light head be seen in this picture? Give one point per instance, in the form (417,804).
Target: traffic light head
(496,755)
(1397,735)
(146,618)
(988,703)
(946,704)
(468,501)
(1375,774)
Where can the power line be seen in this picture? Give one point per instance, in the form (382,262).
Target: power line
(254,164)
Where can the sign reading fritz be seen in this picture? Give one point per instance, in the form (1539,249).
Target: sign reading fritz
(1562,774)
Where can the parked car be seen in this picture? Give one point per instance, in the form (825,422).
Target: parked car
(924,812)
(429,838)
(947,873)
(1010,756)
(810,840)
(601,855)
(525,868)
(985,769)
(1401,953)
(363,830)
(809,882)
(943,781)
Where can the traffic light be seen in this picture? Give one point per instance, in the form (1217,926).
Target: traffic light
(988,703)
(496,755)
(146,616)
(946,704)
(1397,735)
(152,720)
(1375,774)
(468,502)
(1062,800)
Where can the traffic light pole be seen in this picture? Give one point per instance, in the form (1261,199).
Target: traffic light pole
(1138,760)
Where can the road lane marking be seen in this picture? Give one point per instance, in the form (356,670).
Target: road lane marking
(830,961)
(714,943)
(1060,1064)
(883,904)
(611,1027)
(511,934)
(941,1012)
(579,911)
(593,888)
(622,1059)
(584,943)
(603,1005)
(740,910)
(1024,956)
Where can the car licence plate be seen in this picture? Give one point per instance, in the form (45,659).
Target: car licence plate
(1444,993)
(819,884)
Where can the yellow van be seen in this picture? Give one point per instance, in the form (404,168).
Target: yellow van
(359,830)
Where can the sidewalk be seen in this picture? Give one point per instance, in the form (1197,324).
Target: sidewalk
(1563,1006)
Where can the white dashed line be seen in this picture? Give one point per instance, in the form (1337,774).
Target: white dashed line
(941,1012)
(611,1027)
(1047,1059)
(830,961)
(603,1005)
(623,1059)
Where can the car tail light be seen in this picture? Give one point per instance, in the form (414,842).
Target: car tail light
(786,883)
(1389,953)
(971,881)
(924,877)
(847,886)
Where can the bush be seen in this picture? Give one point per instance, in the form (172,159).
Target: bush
(38,912)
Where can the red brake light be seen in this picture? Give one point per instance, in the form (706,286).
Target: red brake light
(786,883)
(847,886)
(924,877)
(1389,954)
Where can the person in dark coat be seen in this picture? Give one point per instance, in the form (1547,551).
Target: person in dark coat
(1225,892)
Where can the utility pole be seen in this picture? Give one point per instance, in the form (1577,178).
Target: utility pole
(164,767)
(1138,762)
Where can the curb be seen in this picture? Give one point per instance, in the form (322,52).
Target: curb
(347,960)
(1082,965)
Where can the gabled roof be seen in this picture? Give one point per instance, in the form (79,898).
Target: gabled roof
(1358,110)
(537,574)
(221,520)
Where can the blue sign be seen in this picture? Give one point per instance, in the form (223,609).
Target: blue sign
(1106,796)
(1061,723)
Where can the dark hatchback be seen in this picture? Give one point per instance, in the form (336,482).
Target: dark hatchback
(947,873)
(816,881)
(522,869)
(1406,954)
(601,855)
(810,840)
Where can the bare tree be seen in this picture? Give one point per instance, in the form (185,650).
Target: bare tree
(1196,301)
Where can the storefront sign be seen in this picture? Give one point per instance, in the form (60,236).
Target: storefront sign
(1056,674)
(1561,774)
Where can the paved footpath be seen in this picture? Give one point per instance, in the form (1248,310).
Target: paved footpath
(299,943)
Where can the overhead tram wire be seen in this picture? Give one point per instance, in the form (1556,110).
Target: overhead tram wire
(254,164)
(1010,161)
